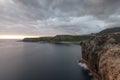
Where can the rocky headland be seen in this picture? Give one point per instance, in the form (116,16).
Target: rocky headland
(102,56)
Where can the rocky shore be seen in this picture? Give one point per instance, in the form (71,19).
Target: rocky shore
(102,56)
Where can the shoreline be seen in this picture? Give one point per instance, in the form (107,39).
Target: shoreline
(63,42)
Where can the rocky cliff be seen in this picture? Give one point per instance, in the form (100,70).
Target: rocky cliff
(102,56)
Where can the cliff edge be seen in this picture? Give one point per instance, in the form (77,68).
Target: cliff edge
(102,56)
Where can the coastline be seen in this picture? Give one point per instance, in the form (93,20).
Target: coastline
(61,39)
(63,42)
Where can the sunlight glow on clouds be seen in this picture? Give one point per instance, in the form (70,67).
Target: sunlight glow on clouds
(3,1)
(6,1)
(15,36)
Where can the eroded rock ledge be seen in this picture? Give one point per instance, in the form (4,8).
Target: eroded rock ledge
(102,56)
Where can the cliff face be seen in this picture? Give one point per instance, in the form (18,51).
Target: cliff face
(102,56)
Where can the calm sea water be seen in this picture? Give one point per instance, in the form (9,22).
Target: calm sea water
(40,61)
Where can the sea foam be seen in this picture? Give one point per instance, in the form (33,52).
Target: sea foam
(83,65)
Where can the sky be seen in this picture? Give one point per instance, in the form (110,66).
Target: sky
(53,17)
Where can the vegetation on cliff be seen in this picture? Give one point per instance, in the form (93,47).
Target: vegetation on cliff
(61,39)
(72,38)
(110,30)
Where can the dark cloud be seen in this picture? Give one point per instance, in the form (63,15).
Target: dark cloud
(50,17)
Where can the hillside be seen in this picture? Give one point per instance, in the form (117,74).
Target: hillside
(110,30)
(60,38)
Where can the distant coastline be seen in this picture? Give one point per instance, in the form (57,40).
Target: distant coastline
(71,39)
(61,39)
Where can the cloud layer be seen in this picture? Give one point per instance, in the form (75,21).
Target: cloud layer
(51,17)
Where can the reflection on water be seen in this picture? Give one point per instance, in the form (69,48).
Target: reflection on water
(40,61)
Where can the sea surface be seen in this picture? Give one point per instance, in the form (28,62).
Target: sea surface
(40,61)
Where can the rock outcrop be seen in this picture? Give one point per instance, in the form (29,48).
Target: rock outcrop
(102,56)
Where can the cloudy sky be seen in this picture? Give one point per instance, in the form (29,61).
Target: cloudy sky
(51,17)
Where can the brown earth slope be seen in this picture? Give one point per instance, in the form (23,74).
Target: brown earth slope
(102,56)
